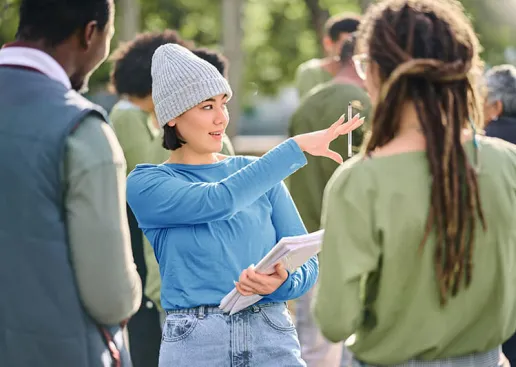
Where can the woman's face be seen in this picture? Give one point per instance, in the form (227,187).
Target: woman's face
(203,126)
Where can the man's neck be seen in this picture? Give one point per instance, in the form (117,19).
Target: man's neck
(146,105)
(347,75)
(330,64)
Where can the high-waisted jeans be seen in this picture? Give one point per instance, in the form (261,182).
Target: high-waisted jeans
(259,336)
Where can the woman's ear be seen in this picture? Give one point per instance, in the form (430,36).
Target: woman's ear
(172,123)
(498,108)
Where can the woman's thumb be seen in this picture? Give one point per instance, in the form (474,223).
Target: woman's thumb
(334,155)
(281,271)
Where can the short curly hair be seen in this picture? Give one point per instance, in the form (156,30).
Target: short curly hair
(131,71)
(215,58)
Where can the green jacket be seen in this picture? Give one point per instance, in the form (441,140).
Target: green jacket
(317,111)
(309,75)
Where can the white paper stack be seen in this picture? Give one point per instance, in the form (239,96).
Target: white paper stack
(291,251)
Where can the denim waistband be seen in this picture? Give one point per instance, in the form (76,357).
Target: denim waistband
(201,311)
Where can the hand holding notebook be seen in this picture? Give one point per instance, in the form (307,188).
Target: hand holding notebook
(252,282)
(292,252)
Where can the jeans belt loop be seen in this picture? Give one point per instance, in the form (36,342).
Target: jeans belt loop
(201,313)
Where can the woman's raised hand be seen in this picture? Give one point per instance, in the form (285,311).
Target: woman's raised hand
(317,143)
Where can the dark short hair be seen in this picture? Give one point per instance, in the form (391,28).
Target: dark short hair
(131,71)
(213,57)
(54,21)
(342,23)
(348,49)
(171,141)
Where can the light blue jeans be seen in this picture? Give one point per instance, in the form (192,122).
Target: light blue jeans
(259,336)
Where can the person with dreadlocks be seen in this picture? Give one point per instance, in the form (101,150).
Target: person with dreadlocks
(417,266)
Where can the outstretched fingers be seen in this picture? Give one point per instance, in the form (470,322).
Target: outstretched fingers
(333,128)
(350,125)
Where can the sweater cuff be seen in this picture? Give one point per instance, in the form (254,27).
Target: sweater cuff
(282,293)
(297,154)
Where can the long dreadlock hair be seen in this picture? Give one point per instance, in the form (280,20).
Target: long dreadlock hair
(427,53)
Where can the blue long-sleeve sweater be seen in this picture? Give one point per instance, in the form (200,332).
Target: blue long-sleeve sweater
(209,222)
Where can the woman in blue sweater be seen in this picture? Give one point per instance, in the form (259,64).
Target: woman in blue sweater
(209,217)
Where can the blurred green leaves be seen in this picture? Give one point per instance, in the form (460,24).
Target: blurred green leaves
(278,34)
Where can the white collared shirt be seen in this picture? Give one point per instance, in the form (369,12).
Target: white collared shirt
(35,59)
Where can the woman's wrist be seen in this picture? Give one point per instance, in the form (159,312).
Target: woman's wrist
(299,141)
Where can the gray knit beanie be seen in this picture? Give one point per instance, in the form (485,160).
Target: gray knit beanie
(182,80)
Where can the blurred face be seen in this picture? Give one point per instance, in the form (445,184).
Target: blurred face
(492,110)
(94,51)
(203,126)
(145,103)
(368,71)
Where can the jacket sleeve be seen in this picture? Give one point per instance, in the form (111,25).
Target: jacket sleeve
(100,246)
(349,255)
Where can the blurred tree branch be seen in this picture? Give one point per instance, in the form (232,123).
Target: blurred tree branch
(232,35)
(129,19)
(318,17)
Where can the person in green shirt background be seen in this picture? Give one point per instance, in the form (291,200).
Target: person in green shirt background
(134,121)
(323,105)
(317,71)
(417,264)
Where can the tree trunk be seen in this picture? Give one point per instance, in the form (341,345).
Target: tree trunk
(318,17)
(232,36)
(129,18)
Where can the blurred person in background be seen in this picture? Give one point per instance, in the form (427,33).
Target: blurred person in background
(209,216)
(500,122)
(141,138)
(500,103)
(417,264)
(141,141)
(323,105)
(318,71)
(67,272)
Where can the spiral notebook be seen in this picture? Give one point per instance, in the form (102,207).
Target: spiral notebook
(291,251)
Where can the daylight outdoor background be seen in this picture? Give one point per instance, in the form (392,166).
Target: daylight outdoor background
(265,41)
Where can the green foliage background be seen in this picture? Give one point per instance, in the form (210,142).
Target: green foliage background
(278,34)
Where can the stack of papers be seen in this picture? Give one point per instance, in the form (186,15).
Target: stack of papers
(291,251)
